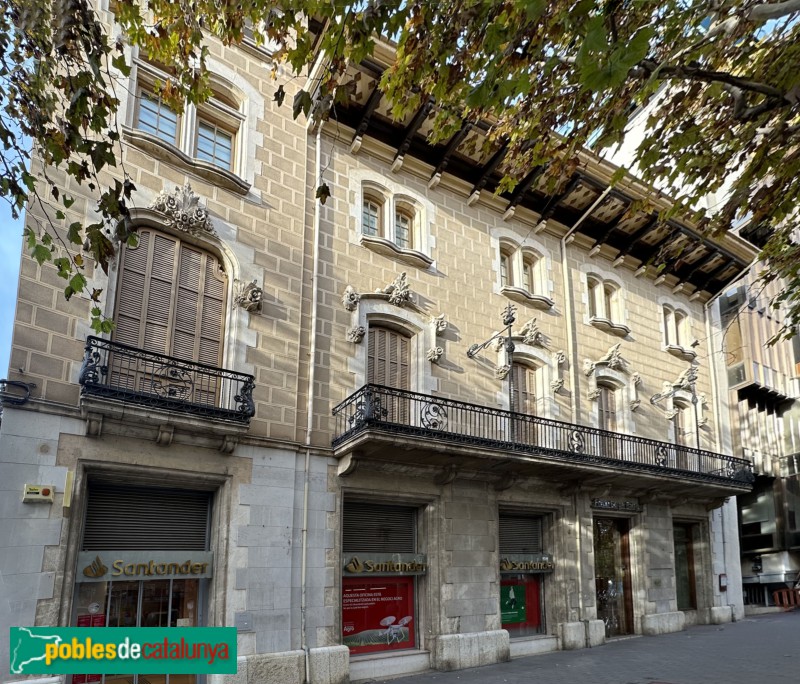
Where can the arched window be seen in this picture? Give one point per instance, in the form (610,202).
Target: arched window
(372,215)
(681,335)
(404,226)
(609,301)
(595,286)
(506,268)
(530,266)
(524,388)
(668,323)
(607,408)
(170,300)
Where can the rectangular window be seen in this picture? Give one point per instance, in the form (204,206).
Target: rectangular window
(521,604)
(215,145)
(156,118)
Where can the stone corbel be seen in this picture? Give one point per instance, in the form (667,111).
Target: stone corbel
(439,324)
(228,444)
(347,465)
(446,475)
(531,334)
(560,359)
(501,372)
(507,481)
(165,435)
(94,424)
(634,402)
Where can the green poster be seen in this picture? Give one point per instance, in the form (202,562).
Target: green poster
(512,603)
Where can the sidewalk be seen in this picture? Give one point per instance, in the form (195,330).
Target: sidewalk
(757,650)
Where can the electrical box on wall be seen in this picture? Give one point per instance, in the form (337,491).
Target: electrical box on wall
(38,493)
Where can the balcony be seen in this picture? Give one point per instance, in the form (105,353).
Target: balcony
(438,433)
(129,385)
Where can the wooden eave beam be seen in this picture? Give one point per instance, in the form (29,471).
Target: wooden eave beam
(452,146)
(490,167)
(524,185)
(366,115)
(555,200)
(636,237)
(610,227)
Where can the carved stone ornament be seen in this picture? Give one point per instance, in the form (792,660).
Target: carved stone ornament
(355,335)
(634,404)
(702,422)
(557,384)
(439,324)
(687,378)
(434,354)
(351,298)
(593,394)
(672,414)
(588,367)
(530,333)
(398,290)
(183,208)
(612,358)
(250,297)
(560,358)
(636,379)
(501,372)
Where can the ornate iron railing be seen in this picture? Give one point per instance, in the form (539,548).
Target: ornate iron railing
(119,371)
(374,407)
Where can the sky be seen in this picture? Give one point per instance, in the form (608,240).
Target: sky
(10,246)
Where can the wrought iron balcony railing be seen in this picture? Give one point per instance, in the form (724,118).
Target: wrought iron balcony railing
(374,407)
(119,371)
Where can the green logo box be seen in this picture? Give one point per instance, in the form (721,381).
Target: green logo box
(112,650)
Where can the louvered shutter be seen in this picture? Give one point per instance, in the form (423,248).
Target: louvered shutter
(388,358)
(524,390)
(520,533)
(378,528)
(171,300)
(132,518)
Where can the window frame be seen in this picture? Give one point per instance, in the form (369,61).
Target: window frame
(605,304)
(518,274)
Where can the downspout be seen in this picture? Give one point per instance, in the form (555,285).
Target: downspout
(312,354)
(573,367)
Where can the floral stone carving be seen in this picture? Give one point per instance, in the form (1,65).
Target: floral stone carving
(182,207)
(355,335)
(351,298)
(250,298)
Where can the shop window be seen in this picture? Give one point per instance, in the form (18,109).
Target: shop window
(144,562)
(521,593)
(378,601)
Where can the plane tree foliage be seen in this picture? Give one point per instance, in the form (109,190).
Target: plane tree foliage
(719,81)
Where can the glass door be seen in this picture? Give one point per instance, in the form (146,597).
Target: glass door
(612,576)
(140,603)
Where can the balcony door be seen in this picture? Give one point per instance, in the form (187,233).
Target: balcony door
(388,364)
(170,301)
(524,402)
(607,420)
(612,575)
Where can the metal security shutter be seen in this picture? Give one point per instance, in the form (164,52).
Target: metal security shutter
(520,534)
(129,518)
(377,528)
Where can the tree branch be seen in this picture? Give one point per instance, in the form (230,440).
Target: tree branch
(647,68)
(772,10)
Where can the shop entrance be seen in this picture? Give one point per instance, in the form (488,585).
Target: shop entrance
(612,575)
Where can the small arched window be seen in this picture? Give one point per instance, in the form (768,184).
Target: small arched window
(595,287)
(372,214)
(506,269)
(530,266)
(668,320)
(609,301)
(404,226)
(681,336)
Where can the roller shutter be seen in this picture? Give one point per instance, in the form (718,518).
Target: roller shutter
(378,528)
(520,534)
(131,518)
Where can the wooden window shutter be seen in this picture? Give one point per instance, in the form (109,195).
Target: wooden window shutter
(388,358)
(524,390)
(171,299)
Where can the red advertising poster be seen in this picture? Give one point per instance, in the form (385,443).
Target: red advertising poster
(89,620)
(378,613)
(520,606)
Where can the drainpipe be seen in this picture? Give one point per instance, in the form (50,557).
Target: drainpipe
(312,354)
(573,366)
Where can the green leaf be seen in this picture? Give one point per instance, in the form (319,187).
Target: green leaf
(279,96)
(41,254)
(302,103)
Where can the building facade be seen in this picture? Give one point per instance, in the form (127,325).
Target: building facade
(421,425)
(762,402)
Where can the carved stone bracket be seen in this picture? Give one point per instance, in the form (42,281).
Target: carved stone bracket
(182,207)
(434,354)
(165,435)
(250,297)
(588,367)
(560,358)
(350,298)
(347,465)
(356,334)
(507,481)
(593,394)
(531,334)
(446,475)
(557,385)
(501,372)
(439,324)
